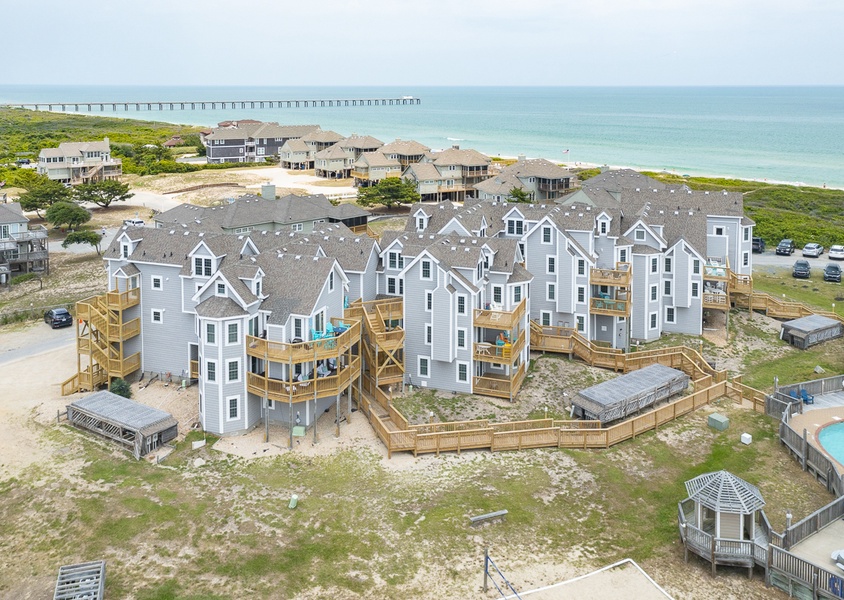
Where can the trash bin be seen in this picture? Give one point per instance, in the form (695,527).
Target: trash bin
(294,500)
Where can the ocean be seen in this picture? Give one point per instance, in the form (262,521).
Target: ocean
(788,134)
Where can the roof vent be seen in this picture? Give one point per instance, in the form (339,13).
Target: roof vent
(454,248)
(240,237)
(638,190)
(671,191)
(201,233)
(580,214)
(278,233)
(676,212)
(325,238)
(357,240)
(187,233)
(655,189)
(316,258)
(342,239)
(298,256)
(567,214)
(541,206)
(172,231)
(474,242)
(691,213)
(588,208)
(662,212)
(706,192)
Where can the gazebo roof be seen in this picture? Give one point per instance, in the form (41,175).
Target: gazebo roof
(722,491)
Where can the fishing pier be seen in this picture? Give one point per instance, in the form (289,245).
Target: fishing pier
(163,105)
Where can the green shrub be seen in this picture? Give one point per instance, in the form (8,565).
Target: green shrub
(23,278)
(121,388)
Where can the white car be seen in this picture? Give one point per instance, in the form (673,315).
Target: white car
(814,250)
(836,252)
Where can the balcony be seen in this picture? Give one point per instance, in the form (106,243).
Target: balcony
(716,269)
(610,307)
(500,319)
(300,391)
(741,284)
(621,276)
(123,300)
(505,354)
(300,352)
(553,185)
(499,386)
(35,232)
(718,301)
(359,174)
(194,369)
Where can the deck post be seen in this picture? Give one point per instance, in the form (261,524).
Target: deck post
(769,561)
(486,568)
(712,556)
(804,449)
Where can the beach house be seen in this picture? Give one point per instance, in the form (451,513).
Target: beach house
(249,141)
(73,163)
(539,178)
(23,247)
(448,175)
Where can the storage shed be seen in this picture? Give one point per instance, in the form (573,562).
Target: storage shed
(137,427)
(627,394)
(808,331)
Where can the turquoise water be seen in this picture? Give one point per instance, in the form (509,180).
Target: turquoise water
(831,438)
(793,134)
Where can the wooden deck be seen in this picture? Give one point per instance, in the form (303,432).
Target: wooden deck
(503,320)
(621,276)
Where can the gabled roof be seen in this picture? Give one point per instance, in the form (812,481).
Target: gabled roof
(12,213)
(722,491)
(334,152)
(254,130)
(322,136)
(360,142)
(219,307)
(405,148)
(293,283)
(456,156)
(70,149)
(424,172)
(537,167)
(377,159)
(296,145)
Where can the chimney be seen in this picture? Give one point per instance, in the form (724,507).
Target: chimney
(268,191)
(522,158)
(455,146)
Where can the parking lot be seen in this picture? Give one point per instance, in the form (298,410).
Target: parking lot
(770,259)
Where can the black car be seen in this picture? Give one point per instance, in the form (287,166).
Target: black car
(758,245)
(832,272)
(58,317)
(786,247)
(801,270)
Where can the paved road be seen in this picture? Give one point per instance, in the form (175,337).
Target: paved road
(770,259)
(33,340)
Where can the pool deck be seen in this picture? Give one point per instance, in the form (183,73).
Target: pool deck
(827,409)
(818,547)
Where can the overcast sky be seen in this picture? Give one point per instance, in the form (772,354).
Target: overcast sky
(423,42)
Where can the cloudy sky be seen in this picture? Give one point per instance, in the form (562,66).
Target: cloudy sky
(428,42)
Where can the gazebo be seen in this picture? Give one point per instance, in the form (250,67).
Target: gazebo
(722,520)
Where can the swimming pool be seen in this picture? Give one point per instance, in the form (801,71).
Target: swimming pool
(831,438)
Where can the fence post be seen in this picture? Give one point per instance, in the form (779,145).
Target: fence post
(486,567)
(804,449)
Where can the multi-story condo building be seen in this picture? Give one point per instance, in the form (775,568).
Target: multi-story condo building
(73,163)
(448,175)
(372,167)
(250,141)
(320,139)
(539,178)
(296,154)
(333,162)
(23,248)
(355,145)
(406,152)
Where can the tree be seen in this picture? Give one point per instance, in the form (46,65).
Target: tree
(121,387)
(67,213)
(389,192)
(42,193)
(519,195)
(102,193)
(83,237)
(193,139)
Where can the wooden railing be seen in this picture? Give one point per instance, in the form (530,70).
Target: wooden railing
(813,523)
(621,276)
(500,319)
(194,369)
(123,300)
(740,284)
(296,391)
(780,309)
(504,387)
(609,306)
(800,577)
(301,352)
(506,354)
(716,301)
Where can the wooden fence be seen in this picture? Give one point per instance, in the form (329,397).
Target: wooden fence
(800,578)
(812,459)
(813,523)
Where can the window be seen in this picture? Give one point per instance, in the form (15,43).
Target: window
(210,333)
(653,292)
(420,224)
(157,315)
(233,333)
(667,264)
(666,287)
(515,227)
(461,305)
(297,329)
(461,338)
(581,323)
(546,235)
(423,367)
(298,227)
(653,320)
(695,289)
(258,289)
(221,289)
(426,269)
(496,294)
(581,293)
(125,250)
(211,371)
(581,266)
(746,233)
(603,228)
(319,321)
(234,408)
(393,260)
(517,294)
(202,266)
(719,231)
(331,281)
(233,370)
(696,267)
(462,372)
(391,286)
(550,292)
(639,235)
(545,318)
(429,333)
(654,265)
(745,259)
(551,266)
(429,301)
(622,255)
(669,314)
(522,250)
(156,282)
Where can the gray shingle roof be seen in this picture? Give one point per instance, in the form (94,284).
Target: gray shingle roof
(405,148)
(293,283)
(361,142)
(217,307)
(272,130)
(722,491)
(125,412)
(12,213)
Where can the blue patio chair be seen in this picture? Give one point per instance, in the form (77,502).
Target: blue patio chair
(807,397)
(793,394)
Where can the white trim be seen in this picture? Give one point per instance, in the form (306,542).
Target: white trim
(430,264)
(237,325)
(654,295)
(667,287)
(549,295)
(159,279)
(465,332)
(549,260)
(229,418)
(153,312)
(674,314)
(429,301)
(653,321)
(580,288)
(550,231)
(542,315)
(458,364)
(695,287)
(205,373)
(429,334)
(419,360)
(214,325)
(229,361)
(458,298)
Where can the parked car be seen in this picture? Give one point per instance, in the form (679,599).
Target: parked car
(836,252)
(832,272)
(813,250)
(786,247)
(134,222)
(758,245)
(58,317)
(801,269)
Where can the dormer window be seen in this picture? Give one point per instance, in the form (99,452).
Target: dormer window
(546,235)
(202,267)
(602,227)
(515,227)
(420,223)
(640,235)
(124,250)
(221,289)
(258,288)
(331,281)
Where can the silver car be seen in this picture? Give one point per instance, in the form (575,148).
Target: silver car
(813,250)
(836,252)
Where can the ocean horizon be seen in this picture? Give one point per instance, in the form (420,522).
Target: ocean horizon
(778,134)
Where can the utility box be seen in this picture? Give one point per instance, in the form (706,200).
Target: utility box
(746,438)
(718,421)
